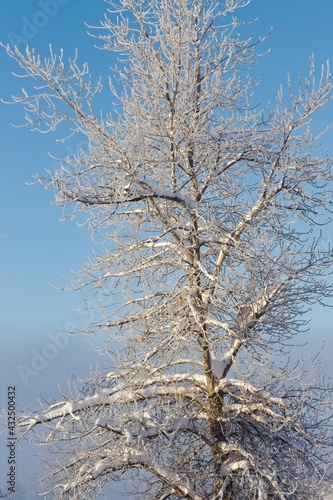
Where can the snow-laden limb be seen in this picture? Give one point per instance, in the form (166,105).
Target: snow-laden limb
(132,459)
(235,386)
(175,196)
(221,367)
(131,429)
(150,388)
(149,429)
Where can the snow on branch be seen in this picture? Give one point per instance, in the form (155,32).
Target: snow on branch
(159,386)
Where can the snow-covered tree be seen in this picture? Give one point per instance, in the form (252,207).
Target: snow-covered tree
(207,205)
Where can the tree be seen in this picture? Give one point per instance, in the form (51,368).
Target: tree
(208,206)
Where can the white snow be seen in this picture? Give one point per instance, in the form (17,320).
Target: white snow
(218,367)
(175,195)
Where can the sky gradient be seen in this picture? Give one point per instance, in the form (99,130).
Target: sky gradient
(36,250)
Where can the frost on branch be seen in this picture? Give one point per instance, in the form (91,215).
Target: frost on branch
(207,207)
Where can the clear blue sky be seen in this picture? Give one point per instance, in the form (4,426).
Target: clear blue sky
(35,248)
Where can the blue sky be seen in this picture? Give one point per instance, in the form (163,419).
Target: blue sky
(36,249)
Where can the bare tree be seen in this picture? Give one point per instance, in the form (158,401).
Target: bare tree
(208,206)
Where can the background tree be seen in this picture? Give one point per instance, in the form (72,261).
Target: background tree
(207,205)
